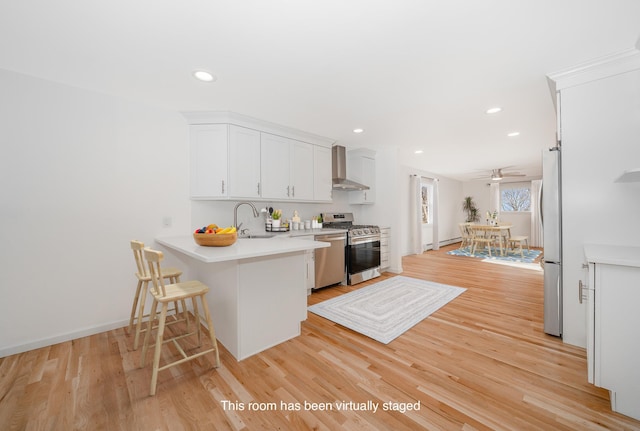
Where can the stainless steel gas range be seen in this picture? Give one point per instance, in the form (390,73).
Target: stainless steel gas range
(362,251)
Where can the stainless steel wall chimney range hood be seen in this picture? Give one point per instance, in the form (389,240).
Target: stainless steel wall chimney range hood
(339,167)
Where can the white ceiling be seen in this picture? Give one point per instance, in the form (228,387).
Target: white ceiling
(414,74)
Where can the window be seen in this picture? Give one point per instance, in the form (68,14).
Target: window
(515,197)
(427,199)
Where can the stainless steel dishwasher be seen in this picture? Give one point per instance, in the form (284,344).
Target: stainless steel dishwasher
(330,263)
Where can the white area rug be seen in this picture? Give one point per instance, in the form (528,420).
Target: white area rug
(385,310)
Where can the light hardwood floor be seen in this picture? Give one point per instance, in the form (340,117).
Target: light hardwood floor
(481,362)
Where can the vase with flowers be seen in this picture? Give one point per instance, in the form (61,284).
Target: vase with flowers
(492,218)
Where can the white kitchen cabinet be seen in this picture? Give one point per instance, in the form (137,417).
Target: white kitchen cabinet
(361,168)
(385,236)
(244,162)
(301,171)
(208,155)
(310,269)
(322,181)
(274,166)
(238,157)
(613,324)
(287,168)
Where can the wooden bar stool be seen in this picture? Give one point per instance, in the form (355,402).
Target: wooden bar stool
(519,240)
(137,309)
(164,294)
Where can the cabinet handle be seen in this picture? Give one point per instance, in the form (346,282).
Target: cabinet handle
(288,191)
(580,287)
(258,188)
(222,186)
(293,191)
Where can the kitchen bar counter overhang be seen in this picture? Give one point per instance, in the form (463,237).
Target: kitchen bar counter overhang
(258,294)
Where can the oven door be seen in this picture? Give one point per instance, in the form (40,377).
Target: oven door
(363,259)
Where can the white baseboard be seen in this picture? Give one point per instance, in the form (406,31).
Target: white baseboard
(443,243)
(44,342)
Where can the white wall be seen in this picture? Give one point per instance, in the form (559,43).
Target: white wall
(600,139)
(82,174)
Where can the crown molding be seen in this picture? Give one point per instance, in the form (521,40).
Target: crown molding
(599,68)
(228,117)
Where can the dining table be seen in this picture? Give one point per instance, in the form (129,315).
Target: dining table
(499,232)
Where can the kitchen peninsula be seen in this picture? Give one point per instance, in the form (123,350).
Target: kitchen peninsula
(258,294)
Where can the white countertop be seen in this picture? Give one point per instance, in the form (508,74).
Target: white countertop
(612,254)
(242,249)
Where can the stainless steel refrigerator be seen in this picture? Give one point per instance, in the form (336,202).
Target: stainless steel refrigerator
(551,214)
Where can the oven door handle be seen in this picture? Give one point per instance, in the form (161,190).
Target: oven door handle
(356,241)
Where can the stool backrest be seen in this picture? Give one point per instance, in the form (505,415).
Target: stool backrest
(154,257)
(137,247)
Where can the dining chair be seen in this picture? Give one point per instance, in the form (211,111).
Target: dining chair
(163,294)
(480,236)
(465,234)
(140,298)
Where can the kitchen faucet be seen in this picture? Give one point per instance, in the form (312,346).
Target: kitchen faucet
(235,213)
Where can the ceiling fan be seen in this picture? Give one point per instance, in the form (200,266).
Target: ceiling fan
(498,175)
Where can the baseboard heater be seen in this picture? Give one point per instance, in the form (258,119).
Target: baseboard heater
(442,243)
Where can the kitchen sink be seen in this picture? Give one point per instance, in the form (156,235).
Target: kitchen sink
(257,236)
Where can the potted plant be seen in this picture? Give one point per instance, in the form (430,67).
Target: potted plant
(276,218)
(469,206)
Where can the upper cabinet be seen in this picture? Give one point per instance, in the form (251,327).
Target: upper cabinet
(237,157)
(287,168)
(209,150)
(361,166)
(244,162)
(322,181)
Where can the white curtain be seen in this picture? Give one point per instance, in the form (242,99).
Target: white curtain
(415,214)
(536,222)
(434,214)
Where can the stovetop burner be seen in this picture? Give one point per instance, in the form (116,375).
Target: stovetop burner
(345,221)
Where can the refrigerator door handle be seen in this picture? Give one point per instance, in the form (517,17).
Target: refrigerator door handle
(540,209)
(580,287)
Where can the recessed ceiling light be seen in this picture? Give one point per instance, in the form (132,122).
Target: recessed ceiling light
(358,130)
(512,134)
(203,75)
(493,110)
(418,151)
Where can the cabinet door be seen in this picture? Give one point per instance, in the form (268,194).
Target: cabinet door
(208,155)
(385,233)
(244,162)
(322,181)
(275,166)
(617,331)
(301,171)
(362,170)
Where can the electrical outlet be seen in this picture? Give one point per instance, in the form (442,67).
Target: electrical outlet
(167,221)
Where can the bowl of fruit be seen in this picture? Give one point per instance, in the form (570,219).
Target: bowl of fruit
(214,236)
